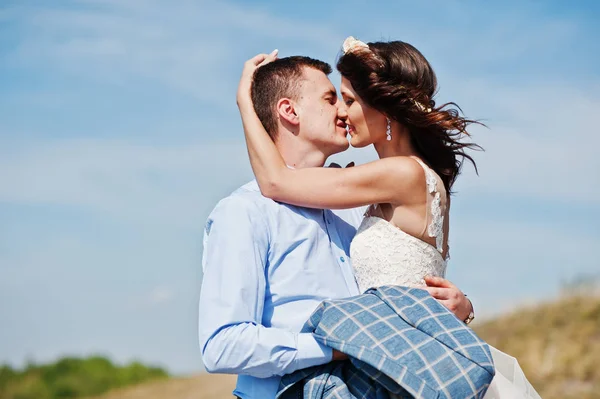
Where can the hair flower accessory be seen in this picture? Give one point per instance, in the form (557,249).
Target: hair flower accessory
(352,44)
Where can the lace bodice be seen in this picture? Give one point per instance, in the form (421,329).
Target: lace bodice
(382,254)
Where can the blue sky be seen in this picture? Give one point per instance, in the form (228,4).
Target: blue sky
(119,132)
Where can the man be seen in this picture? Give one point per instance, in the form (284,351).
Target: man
(268,265)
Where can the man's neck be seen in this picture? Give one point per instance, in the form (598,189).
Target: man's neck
(301,155)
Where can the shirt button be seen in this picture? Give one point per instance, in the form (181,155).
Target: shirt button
(342,259)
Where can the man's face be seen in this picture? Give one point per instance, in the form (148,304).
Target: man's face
(320,113)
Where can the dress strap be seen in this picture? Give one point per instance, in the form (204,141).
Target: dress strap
(436,227)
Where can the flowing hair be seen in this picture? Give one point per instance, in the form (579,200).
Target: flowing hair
(397,80)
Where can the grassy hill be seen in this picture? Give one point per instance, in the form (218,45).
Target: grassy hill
(557,344)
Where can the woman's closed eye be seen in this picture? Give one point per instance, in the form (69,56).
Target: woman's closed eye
(349,101)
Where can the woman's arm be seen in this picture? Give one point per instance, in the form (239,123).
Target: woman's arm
(381,181)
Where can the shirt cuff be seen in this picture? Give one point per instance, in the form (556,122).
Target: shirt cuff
(311,352)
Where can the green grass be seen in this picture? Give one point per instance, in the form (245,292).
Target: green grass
(72,378)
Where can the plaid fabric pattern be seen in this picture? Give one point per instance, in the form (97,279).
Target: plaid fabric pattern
(402,343)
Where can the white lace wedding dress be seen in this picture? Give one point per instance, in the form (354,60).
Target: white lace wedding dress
(382,254)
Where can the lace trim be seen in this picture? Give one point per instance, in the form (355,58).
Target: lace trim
(436,227)
(383,254)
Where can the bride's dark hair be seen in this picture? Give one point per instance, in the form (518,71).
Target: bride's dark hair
(397,80)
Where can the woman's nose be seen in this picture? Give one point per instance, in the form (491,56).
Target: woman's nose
(342,112)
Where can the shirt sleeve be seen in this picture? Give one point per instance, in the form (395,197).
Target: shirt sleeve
(232,339)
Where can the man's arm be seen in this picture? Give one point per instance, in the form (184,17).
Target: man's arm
(232,339)
(450,296)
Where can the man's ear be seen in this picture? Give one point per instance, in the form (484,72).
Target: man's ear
(286,108)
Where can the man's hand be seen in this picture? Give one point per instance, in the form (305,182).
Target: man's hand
(337,355)
(449,295)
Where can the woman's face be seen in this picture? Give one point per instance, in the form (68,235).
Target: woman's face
(365,124)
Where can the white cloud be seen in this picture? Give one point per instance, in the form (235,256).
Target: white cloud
(119,41)
(155,184)
(158,296)
(161,295)
(541,144)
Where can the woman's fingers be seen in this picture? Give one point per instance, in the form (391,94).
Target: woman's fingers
(262,59)
(250,67)
(257,59)
(269,58)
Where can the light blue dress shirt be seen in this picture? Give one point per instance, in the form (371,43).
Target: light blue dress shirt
(267,266)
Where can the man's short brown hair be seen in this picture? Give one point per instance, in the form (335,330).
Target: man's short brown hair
(276,80)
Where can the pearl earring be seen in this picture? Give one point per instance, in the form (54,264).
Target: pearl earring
(388,131)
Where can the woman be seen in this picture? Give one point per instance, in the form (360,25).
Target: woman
(387,90)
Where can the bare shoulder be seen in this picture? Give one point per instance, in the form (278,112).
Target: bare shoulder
(404,168)
(407,177)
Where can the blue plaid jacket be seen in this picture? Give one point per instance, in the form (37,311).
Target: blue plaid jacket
(402,343)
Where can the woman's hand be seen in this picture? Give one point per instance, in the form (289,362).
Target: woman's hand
(250,66)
